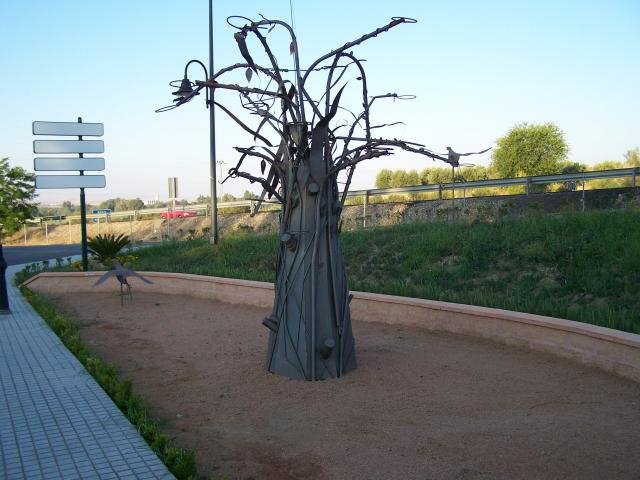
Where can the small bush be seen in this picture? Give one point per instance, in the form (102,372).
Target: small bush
(107,247)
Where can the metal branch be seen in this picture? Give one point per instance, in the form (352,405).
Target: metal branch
(267,49)
(234,172)
(316,110)
(348,45)
(250,152)
(238,88)
(296,59)
(387,125)
(290,104)
(242,124)
(378,145)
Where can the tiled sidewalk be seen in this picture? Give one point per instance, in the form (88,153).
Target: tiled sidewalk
(55,421)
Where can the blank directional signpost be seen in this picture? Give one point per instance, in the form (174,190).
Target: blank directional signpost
(62,164)
(70,181)
(68,146)
(68,129)
(65,164)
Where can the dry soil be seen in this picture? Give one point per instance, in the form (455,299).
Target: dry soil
(420,405)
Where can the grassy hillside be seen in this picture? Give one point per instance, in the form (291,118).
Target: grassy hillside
(583,267)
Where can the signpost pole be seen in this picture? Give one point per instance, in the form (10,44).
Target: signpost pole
(83,219)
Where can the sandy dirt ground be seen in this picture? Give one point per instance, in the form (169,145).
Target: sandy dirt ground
(419,406)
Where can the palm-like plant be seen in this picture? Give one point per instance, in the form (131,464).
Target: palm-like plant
(107,247)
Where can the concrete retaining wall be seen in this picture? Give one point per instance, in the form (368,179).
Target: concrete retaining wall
(612,350)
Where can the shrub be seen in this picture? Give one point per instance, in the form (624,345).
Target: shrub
(107,247)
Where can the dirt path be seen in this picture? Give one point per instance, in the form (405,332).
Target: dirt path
(420,405)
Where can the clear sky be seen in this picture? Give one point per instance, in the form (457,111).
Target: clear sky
(477,68)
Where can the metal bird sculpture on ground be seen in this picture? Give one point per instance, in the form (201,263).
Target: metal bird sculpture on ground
(453,158)
(121,275)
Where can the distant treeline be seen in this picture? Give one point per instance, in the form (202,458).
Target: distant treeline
(129,204)
(387,178)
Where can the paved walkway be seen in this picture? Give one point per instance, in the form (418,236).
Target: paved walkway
(55,421)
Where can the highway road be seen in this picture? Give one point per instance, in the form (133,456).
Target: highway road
(37,253)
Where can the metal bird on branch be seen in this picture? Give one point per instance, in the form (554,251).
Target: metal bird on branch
(453,158)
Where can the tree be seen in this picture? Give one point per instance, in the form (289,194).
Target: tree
(67,208)
(108,204)
(226,197)
(471,174)
(17,190)
(632,157)
(572,167)
(138,204)
(530,150)
(125,204)
(434,176)
(304,141)
(399,179)
(383,178)
(248,195)
(607,165)
(413,178)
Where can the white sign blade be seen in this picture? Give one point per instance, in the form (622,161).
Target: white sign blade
(68,146)
(68,163)
(70,181)
(68,128)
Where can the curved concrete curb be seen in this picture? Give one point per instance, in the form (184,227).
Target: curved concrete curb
(612,350)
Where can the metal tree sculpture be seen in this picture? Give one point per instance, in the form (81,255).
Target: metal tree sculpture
(310,326)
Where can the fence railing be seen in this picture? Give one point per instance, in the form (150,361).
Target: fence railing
(505,182)
(527,182)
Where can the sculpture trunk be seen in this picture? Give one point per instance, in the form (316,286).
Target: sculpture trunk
(310,326)
(311,336)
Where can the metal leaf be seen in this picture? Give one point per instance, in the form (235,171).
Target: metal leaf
(334,109)
(242,45)
(263,165)
(292,48)
(336,101)
(248,73)
(274,183)
(262,122)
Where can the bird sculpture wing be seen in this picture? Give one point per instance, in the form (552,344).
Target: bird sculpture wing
(104,277)
(474,153)
(130,273)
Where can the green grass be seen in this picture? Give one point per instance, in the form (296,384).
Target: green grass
(578,266)
(240,256)
(179,461)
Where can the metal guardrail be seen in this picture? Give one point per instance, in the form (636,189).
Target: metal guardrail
(135,214)
(440,188)
(505,182)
